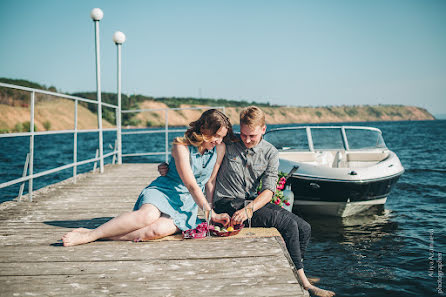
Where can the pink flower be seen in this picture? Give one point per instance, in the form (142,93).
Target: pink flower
(280,187)
(277,201)
(282,179)
(287,203)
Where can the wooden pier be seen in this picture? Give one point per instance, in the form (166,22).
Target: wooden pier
(34,263)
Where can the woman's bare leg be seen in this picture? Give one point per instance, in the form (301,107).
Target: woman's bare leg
(122,224)
(162,227)
(315,291)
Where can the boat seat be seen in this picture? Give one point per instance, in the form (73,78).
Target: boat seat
(298,156)
(366,156)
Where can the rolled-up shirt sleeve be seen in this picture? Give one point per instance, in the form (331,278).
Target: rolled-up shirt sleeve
(269,178)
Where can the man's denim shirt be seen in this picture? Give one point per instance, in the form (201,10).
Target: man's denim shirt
(242,170)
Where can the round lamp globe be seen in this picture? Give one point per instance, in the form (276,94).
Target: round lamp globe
(119,37)
(96,14)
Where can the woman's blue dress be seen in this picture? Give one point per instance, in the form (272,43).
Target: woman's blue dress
(170,195)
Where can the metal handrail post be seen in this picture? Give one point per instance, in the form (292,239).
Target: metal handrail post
(75,143)
(98,95)
(118,111)
(310,139)
(31,147)
(167,135)
(344,139)
(25,171)
(96,161)
(114,150)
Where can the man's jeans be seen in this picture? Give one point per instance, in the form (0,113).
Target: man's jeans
(294,230)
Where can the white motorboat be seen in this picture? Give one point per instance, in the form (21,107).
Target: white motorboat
(342,170)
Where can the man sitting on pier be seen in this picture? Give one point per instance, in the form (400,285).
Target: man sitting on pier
(245,164)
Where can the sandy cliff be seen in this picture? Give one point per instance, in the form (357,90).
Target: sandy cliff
(286,115)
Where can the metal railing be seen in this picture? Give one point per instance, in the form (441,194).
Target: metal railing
(28,172)
(165,131)
(29,164)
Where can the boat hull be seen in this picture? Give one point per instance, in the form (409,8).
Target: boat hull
(339,198)
(336,209)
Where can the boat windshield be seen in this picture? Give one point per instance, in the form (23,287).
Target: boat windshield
(325,138)
(288,139)
(364,139)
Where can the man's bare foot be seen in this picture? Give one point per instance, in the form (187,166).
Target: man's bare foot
(77,237)
(315,291)
(314,280)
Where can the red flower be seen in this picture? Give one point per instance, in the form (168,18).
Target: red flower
(280,186)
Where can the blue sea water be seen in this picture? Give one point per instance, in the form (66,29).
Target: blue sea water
(397,252)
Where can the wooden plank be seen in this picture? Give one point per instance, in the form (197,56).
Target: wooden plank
(104,250)
(163,268)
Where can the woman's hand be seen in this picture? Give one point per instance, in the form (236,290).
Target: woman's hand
(239,217)
(222,218)
(163,168)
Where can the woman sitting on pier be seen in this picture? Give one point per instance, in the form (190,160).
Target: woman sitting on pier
(170,203)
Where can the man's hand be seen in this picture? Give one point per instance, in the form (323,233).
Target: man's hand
(222,218)
(239,217)
(163,168)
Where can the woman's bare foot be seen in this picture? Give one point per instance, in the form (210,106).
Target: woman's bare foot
(83,230)
(77,236)
(315,291)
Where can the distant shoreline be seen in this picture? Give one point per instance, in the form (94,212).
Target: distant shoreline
(54,113)
(57,114)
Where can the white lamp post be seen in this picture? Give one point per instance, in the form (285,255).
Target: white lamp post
(119,39)
(97,15)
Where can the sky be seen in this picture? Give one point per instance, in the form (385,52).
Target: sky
(299,53)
